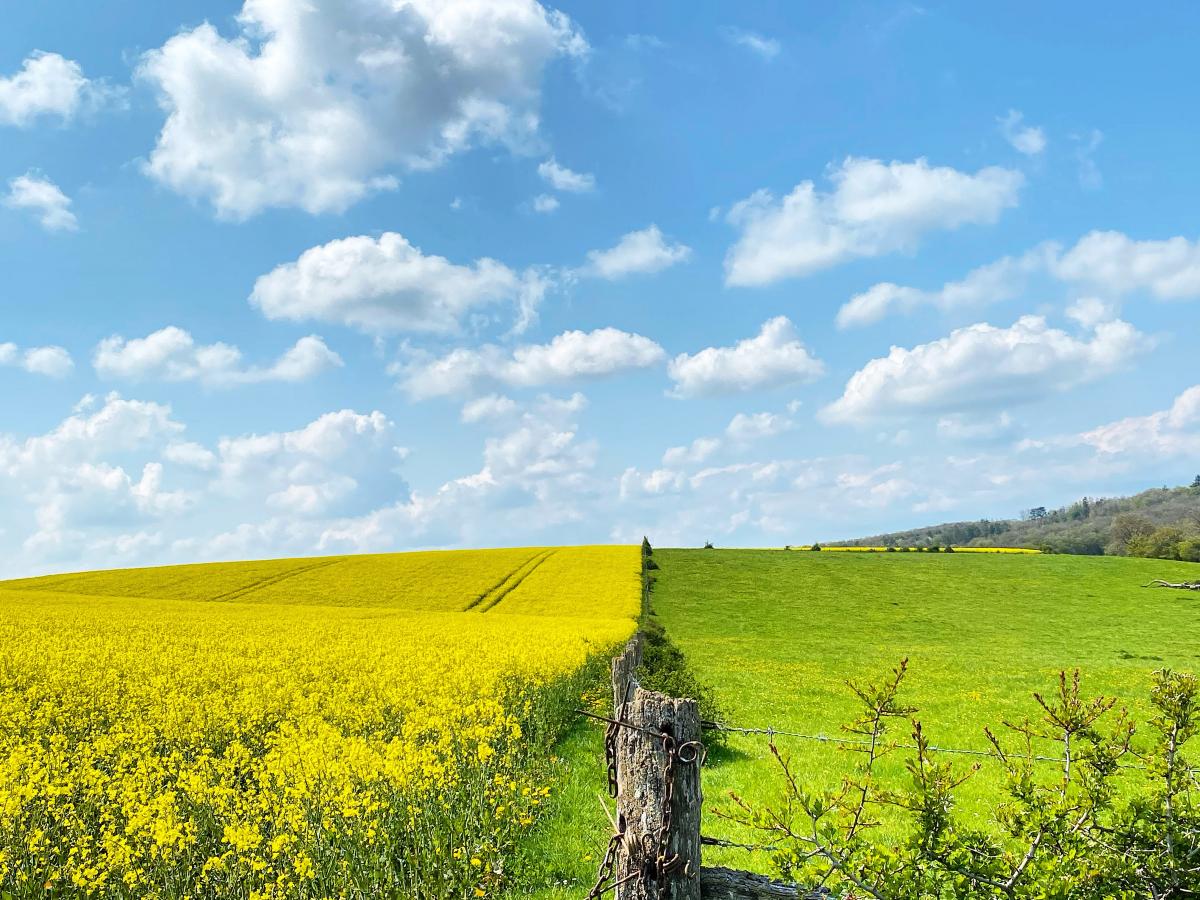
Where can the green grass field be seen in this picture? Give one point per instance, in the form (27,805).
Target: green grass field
(777,634)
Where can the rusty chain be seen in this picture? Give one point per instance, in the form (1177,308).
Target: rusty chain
(656,847)
(665,865)
(607,865)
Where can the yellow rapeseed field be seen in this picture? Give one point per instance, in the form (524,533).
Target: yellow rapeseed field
(346,727)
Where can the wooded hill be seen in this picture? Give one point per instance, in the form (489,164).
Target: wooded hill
(1094,525)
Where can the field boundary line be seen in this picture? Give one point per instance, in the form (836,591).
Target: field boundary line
(537,562)
(239,593)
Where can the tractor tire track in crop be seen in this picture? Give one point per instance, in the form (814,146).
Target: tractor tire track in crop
(529,569)
(499,585)
(239,593)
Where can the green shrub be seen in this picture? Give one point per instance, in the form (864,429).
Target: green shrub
(1189,549)
(1069,831)
(1162,543)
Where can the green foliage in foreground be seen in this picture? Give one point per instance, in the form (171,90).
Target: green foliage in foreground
(778,634)
(1066,830)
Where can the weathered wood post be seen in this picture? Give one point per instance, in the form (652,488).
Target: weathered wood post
(658,757)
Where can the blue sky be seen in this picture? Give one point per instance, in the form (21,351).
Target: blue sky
(287,278)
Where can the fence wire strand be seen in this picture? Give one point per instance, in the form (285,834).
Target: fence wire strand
(856,742)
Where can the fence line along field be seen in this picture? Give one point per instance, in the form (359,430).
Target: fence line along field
(348,726)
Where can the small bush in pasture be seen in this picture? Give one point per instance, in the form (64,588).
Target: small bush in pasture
(815,547)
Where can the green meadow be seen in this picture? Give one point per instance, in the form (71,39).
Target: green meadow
(776,635)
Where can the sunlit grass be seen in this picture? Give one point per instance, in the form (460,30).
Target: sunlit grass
(777,634)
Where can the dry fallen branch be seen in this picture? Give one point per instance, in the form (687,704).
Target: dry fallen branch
(1182,585)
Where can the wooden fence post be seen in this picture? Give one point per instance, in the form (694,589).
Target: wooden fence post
(658,756)
(653,775)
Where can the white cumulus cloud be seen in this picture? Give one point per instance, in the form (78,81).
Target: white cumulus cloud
(983,366)
(44,199)
(638,252)
(873,209)
(1027,139)
(172,354)
(48,84)
(563,179)
(385,284)
(1001,280)
(1171,432)
(51,361)
(1114,263)
(570,355)
(316,103)
(776,356)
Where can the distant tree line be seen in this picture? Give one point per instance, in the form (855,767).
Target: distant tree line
(1163,523)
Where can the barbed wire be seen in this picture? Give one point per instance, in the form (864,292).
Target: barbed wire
(707,725)
(724,842)
(857,742)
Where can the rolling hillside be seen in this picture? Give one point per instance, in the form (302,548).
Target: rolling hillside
(1084,527)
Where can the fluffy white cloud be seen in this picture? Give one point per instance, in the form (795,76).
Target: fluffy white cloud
(1171,432)
(570,355)
(316,103)
(748,427)
(1026,139)
(1091,311)
(491,406)
(536,479)
(385,284)
(563,179)
(172,354)
(117,481)
(333,465)
(743,429)
(761,45)
(47,84)
(119,426)
(982,366)
(696,452)
(637,252)
(545,203)
(44,199)
(776,356)
(874,208)
(53,362)
(1111,262)
(189,453)
(992,283)
(1108,263)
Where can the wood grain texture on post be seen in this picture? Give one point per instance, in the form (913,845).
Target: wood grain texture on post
(623,669)
(648,778)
